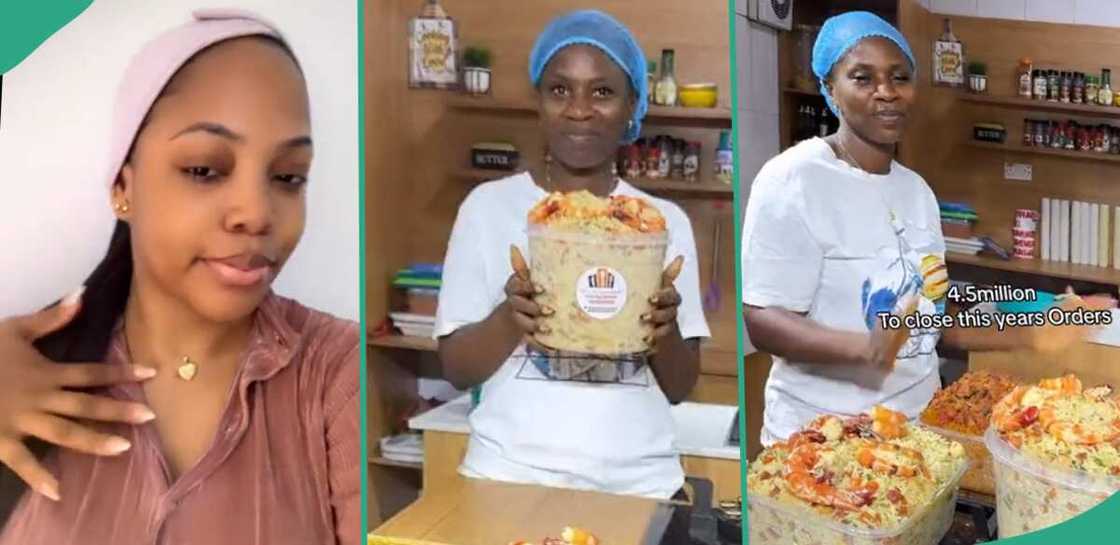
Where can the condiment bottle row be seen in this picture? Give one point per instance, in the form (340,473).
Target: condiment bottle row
(1068,86)
(1071,135)
(665,157)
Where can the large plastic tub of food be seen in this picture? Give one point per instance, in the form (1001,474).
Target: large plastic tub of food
(599,284)
(979,477)
(773,523)
(1031,495)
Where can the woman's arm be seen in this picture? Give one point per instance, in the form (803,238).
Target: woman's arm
(343,438)
(676,364)
(795,337)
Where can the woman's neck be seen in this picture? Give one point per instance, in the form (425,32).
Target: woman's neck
(553,176)
(160,331)
(869,156)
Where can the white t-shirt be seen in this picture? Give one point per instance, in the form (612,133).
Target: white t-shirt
(610,432)
(840,244)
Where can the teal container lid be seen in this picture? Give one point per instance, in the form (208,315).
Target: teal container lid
(1044,301)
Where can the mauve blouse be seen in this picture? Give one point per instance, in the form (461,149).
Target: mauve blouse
(284,468)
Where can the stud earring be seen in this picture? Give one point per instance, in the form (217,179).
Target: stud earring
(121,207)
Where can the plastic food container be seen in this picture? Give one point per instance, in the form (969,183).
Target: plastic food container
(599,285)
(774,523)
(979,477)
(1031,495)
(422,301)
(698,95)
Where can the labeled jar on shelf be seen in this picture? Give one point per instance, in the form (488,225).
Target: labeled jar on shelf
(1071,134)
(1077,93)
(1066,87)
(1092,89)
(1041,133)
(1028,132)
(1040,85)
(692,162)
(1114,141)
(1104,95)
(1053,86)
(1024,79)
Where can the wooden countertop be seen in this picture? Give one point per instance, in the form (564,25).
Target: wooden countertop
(476,512)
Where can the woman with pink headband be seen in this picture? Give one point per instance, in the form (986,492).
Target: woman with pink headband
(222,413)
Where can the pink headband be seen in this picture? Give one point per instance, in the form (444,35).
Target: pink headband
(159,60)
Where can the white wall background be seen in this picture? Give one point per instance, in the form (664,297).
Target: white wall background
(57,106)
(1081,12)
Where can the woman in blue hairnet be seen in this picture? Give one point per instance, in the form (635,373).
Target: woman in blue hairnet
(837,232)
(608,426)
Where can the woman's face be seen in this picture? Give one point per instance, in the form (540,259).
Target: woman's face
(216,182)
(586,104)
(873,88)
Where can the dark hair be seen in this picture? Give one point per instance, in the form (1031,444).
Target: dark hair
(86,338)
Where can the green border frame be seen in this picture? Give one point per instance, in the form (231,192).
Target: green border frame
(363,382)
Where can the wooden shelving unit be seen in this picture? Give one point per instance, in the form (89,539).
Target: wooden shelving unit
(1053,269)
(1019,103)
(699,189)
(708,117)
(404,342)
(1066,154)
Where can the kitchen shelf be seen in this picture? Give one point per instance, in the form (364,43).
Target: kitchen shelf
(1067,154)
(796,91)
(386,462)
(1053,269)
(1042,105)
(404,342)
(704,190)
(658,115)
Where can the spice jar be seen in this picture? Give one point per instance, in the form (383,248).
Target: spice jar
(1053,86)
(1039,85)
(1024,78)
(1104,97)
(676,165)
(1105,139)
(692,161)
(1028,132)
(633,161)
(664,157)
(1092,89)
(652,153)
(1077,95)
(1084,139)
(1057,134)
(1039,133)
(1066,87)
(1114,143)
(1070,139)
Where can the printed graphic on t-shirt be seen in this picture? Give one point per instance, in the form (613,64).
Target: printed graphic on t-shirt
(565,367)
(900,278)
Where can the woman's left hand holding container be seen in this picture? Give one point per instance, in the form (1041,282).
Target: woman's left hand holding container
(38,397)
(520,291)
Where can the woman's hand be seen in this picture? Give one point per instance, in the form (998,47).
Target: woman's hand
(883,344)
(663,315)
(36,399)
(520,291)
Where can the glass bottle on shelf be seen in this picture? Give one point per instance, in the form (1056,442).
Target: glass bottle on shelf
(1040,85)
(1023,81)
(667,85)
(1104,95)
(651,81)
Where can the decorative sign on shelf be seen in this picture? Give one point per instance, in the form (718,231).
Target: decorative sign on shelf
(431,47)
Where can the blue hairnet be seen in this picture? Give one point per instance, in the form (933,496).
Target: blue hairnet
(595,28)
(841,33)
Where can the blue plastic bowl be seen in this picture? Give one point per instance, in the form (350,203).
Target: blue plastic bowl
(1044,301)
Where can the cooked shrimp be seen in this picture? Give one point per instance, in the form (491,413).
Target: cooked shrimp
(803,481)
(886,423)
(578,536)
(892,459)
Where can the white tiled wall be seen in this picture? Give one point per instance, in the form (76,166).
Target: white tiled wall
(758,104)
(1082,12)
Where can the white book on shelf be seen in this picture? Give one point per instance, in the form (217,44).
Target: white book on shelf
(1075,232)
(1094,232)
(1116,238)
(1102,244)
(1055,229)
(1063,230)
(1044,230)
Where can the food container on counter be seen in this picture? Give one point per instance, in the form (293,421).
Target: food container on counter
(599,285)
(422,301)
(698,95)
(1031,495)
(979,476)
(774,523)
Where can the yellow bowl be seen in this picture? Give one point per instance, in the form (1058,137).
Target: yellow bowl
(698,95)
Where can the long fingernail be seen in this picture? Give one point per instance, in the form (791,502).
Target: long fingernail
(73,297)
(144,414)
(140,371)
(50,490)
(117,445)
(538,289)
(653,299)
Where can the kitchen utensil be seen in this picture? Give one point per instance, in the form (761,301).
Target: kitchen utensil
(712,294)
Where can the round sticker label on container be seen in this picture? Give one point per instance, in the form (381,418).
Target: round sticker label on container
(601,292)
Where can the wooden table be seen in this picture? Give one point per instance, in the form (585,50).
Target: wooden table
(476,512)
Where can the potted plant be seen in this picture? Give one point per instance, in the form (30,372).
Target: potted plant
(476,70)
(978,77)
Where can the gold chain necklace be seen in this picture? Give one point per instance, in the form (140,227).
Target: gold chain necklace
(548,175)
(186,370)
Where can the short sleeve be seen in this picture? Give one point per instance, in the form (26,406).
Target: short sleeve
(690,314)
(463,298)
(781,259)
